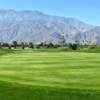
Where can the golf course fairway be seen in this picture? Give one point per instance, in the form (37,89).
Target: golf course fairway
(38,75)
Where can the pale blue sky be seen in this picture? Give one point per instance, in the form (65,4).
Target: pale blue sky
(85,10)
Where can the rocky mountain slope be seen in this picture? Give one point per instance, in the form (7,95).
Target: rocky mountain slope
(34,26)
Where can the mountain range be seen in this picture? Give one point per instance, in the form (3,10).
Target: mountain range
(34,26)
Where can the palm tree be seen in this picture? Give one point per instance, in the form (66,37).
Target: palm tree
(62,39)
(15,44)
(0,45)
(31,45)
(9,46)
(23,45)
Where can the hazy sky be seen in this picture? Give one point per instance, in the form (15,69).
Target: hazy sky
(84,10)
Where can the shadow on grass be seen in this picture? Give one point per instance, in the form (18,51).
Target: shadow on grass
(13,91)
(5,51)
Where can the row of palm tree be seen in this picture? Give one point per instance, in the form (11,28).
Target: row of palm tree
(26,45)
(32,45)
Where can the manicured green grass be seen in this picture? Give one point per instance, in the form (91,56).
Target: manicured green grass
(49,75)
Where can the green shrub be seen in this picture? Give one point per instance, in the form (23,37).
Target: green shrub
(73,46)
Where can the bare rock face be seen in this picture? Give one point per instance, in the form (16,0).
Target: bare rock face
(36,27)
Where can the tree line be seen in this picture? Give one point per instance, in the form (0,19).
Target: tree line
(31,45)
